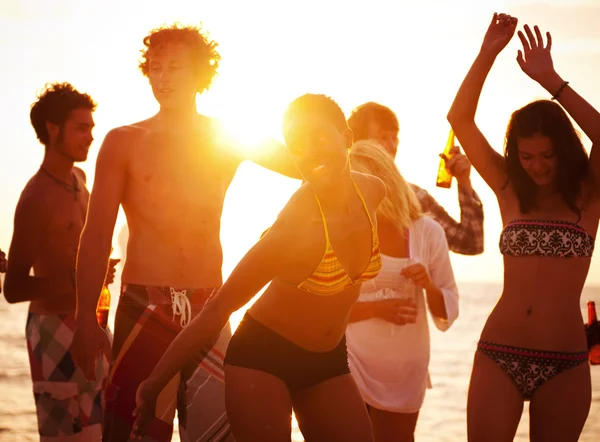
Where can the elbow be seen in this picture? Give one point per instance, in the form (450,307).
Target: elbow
(470,248)
(452,116)
(12,292)
(456,118)
(460,116)
(476,249)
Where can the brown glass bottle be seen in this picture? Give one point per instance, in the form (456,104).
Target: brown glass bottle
(594,331)
(103,307)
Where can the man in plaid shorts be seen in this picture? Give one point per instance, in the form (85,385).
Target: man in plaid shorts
(48,220)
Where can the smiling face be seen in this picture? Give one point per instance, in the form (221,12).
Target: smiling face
(317,146)
(538,158)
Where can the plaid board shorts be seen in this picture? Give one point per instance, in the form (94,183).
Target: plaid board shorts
(68,407)
(147,320)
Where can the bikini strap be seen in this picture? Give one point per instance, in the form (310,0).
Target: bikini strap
(323,218)
(364,203)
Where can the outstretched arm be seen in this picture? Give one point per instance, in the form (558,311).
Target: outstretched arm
(275,156)
(268,152)
(265,261)
(536,61)
(461,116)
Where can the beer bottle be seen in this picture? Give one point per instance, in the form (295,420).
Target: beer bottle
(444,177)
(103,307)
(594,332)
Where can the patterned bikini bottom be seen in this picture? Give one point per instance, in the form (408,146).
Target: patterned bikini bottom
(530,369)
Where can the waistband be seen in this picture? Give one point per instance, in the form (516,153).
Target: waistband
(156,295)
(518,351)
(180,299)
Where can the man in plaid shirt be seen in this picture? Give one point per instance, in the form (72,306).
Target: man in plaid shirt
(375,121)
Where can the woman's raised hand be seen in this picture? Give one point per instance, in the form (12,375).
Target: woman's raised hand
(501,30)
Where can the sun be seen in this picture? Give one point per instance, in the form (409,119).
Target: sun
(247,121)
(246,133)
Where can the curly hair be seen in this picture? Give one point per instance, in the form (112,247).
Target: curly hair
(317,104)
(361,116)
(206,58)
(54,105)
(548,119)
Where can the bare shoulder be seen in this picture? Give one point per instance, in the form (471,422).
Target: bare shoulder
(295,215)
(33,202)
(130,132)
(120,141)
(290,231)
(215,126)
(371,187)
(218,135)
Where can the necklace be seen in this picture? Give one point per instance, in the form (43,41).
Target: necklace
(73,188)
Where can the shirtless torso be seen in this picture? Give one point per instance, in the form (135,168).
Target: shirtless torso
(173,200)
(48,222)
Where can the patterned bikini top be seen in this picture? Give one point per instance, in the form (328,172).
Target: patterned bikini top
(330,277)
(559,239)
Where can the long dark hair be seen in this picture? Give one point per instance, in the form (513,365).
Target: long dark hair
(548,119)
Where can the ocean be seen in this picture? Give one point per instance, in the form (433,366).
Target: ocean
(442,417)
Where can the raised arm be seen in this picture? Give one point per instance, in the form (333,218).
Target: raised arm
(265,261)
(464,236)
(31,217)
(274,156)
(536,61)
(95,247)
(488,162)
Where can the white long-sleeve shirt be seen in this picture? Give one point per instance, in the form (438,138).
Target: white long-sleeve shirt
(390,362)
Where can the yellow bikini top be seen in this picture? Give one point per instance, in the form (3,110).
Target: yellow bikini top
(330,277)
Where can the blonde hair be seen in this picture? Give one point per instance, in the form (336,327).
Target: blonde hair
(400,205)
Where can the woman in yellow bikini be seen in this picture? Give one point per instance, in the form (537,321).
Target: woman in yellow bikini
(289,351)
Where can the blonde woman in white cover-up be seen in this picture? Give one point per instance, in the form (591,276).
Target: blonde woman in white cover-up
(388,337)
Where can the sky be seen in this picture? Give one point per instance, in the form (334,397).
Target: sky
(408,56)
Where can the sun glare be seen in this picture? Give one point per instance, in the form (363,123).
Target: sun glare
(246,133)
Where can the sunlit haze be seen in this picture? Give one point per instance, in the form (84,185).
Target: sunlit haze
(410,56)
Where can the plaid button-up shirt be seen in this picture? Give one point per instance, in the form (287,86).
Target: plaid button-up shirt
(464,237)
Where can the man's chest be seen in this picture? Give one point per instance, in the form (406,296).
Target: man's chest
(196,178)
(66,217)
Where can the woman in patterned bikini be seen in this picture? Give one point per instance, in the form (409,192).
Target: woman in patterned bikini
(289,351)
(533,345)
